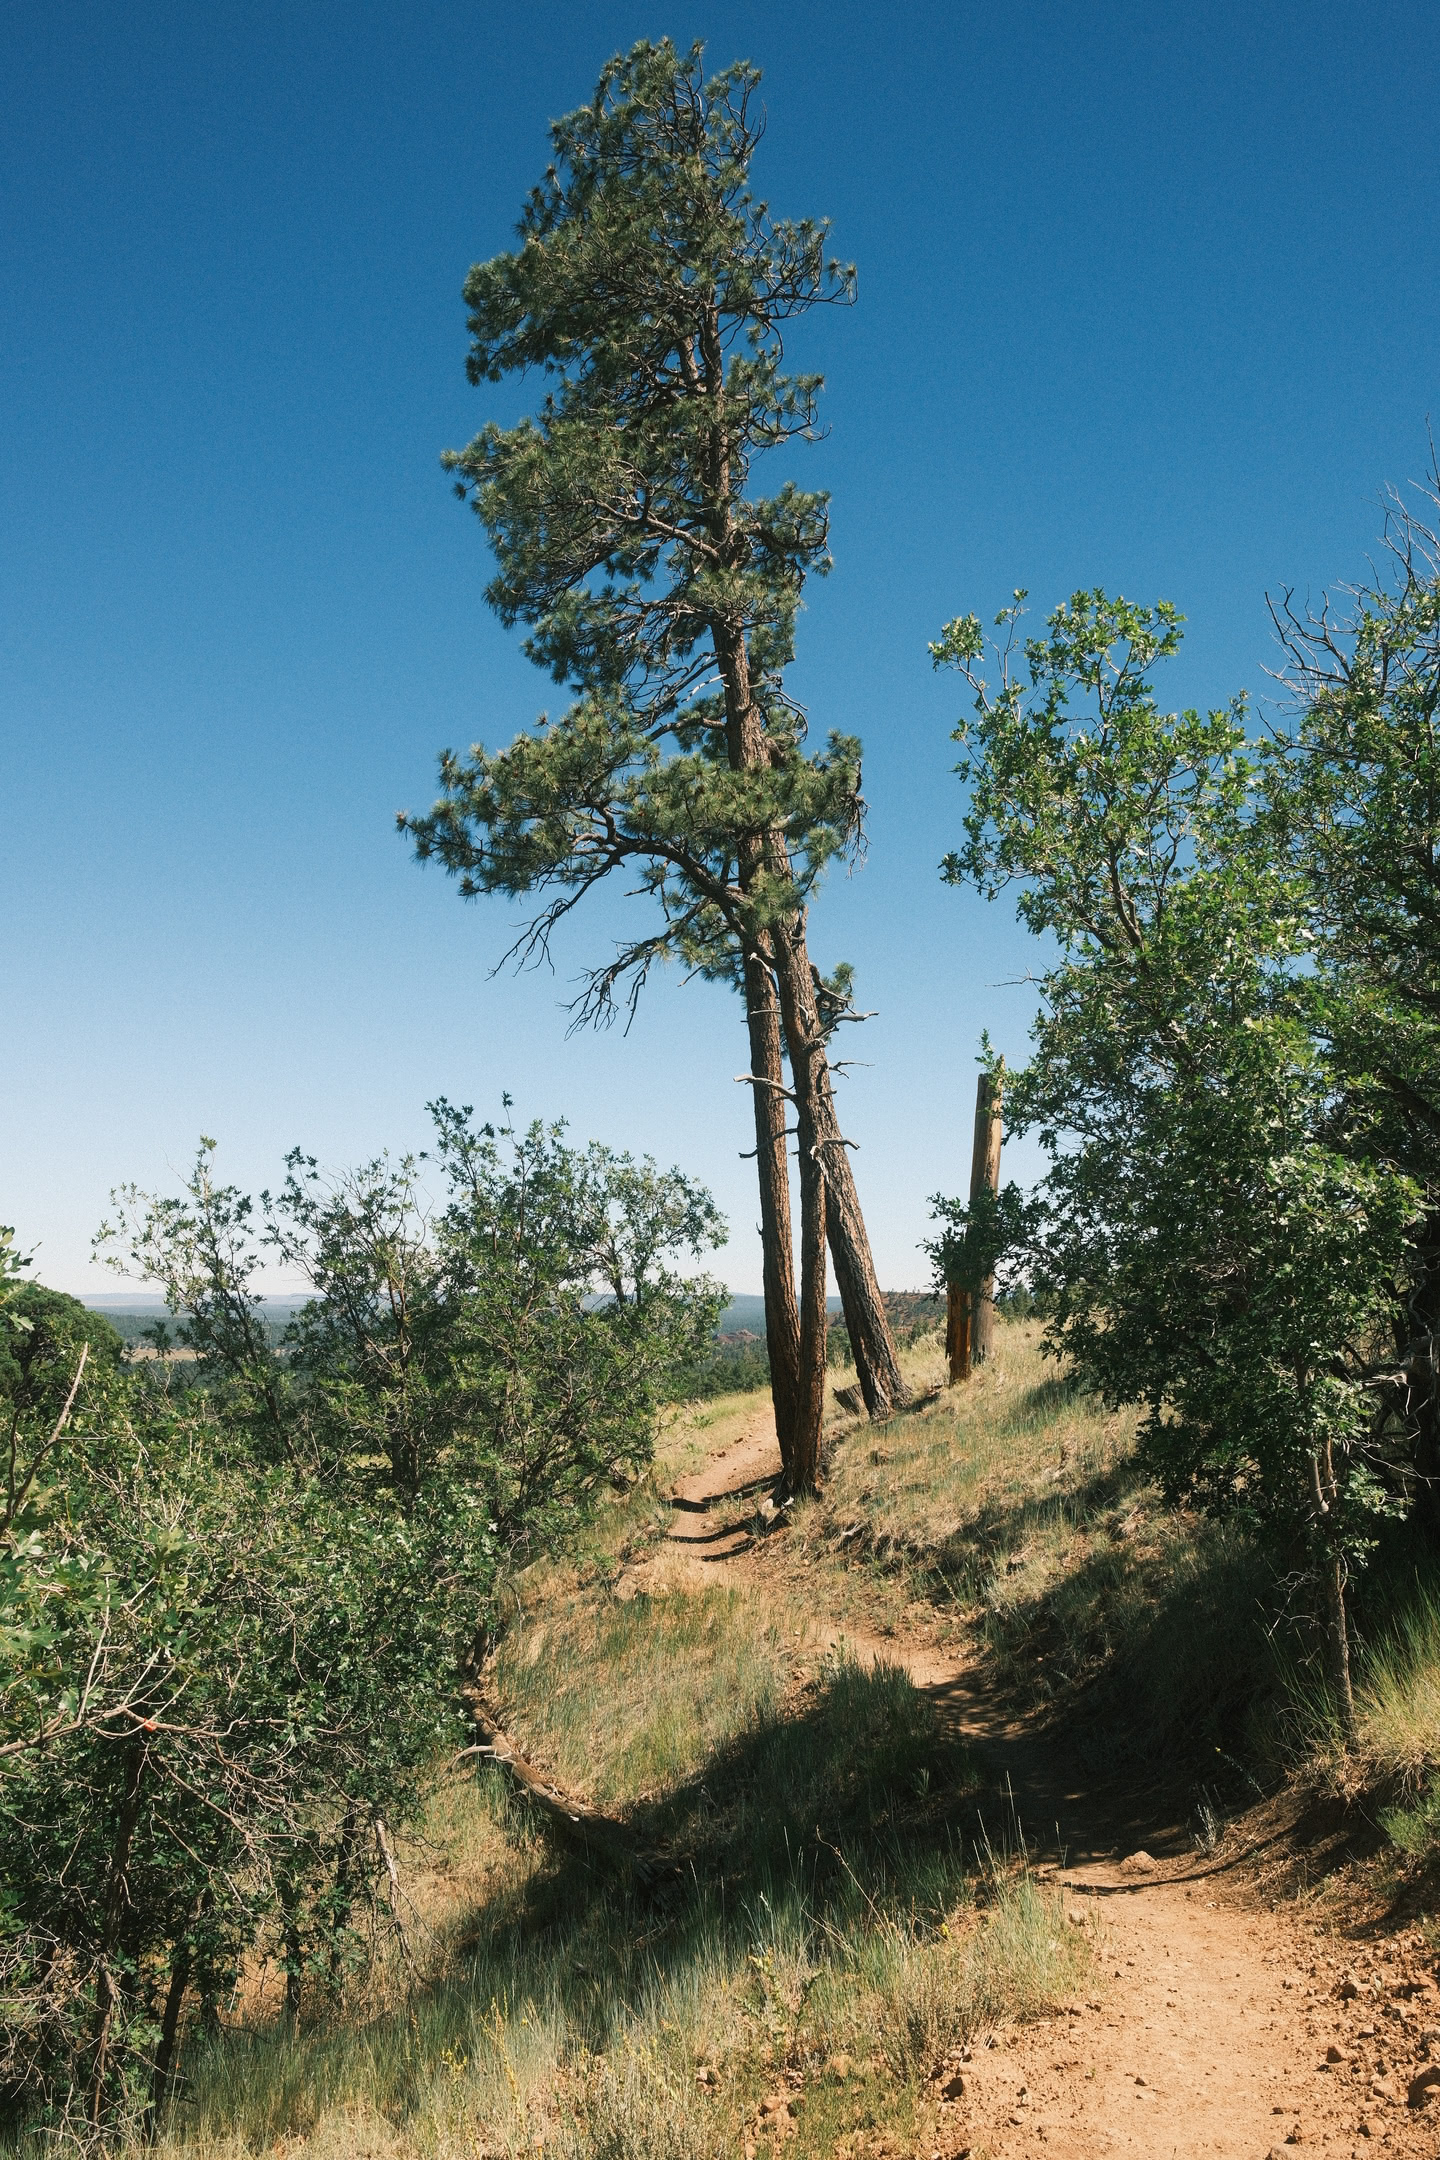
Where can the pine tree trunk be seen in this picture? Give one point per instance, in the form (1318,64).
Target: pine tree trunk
(838,1207)
(803,1036)
(882,1384)
(804,1472)
(782,1312)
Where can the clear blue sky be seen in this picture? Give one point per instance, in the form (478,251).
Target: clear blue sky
(1148,298)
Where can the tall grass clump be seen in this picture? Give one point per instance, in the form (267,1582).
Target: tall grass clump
(1398,1701)
(625,1697)
(819,1896)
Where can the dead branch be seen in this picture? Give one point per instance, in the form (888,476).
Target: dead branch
(15,1496)
(602,1837)
(382,1841)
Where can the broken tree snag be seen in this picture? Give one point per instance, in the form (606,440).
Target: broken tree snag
(970,1307)
(877,1367)
(957,1332)
(806,1040)
(985,1175)
(601,1836)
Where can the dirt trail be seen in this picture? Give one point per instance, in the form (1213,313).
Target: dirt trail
(1217,2026)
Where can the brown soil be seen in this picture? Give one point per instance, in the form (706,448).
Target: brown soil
(1224,2020)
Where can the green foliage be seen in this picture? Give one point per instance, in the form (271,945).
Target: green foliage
(735,1364)
(653,292)
(512,1343)
(1353,810)
(979,1236)
(239,1595)
(1213,1248)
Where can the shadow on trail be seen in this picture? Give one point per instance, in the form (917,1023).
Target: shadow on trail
(805,1837)
(1119,1709)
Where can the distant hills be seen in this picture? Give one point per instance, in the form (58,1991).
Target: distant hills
(744,1315)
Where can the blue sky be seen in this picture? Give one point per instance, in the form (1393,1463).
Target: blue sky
(1148,298)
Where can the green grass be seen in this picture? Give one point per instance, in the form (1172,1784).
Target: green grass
(821,1926)
(621,1700)
(822,1908)
(1398,1699)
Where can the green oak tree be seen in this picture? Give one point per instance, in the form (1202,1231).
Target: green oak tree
(1353,801)
(244,1593)
(1214,1249)
(653,293)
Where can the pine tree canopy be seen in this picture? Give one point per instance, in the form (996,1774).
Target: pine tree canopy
(653,291)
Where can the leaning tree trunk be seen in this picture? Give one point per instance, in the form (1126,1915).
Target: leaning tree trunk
(882,1383)
(807,1063)
(782,1312)
(870,1339)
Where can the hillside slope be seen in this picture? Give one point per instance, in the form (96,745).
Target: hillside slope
(916,1873)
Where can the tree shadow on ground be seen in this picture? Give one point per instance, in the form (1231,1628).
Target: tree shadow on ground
(864,1783)
(813,1831)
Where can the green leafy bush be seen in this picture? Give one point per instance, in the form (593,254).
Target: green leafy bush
(240,1594)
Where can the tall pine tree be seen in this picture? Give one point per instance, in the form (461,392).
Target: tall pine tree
(653,292)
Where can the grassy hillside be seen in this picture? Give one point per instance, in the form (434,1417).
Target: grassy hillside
(820,1924)
(1014,1510)
(818,1929)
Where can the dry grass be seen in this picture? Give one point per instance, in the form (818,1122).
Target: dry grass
(1011,1462)
(594,2048)
(1398,1699)
(1015,1506)
(826,1933)
(623,1700)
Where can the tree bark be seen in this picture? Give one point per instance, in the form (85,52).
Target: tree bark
(805,1039)
(107,1992)
(876,1364)
(877,1367)
(985,1175)
(882,1384)
(343,1901)
(1324,1488)
(957,1332)
(1338,1633)
(169,2035)
(294,1950)
(782,1312)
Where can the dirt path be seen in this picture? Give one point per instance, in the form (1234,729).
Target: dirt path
(1218,2025)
